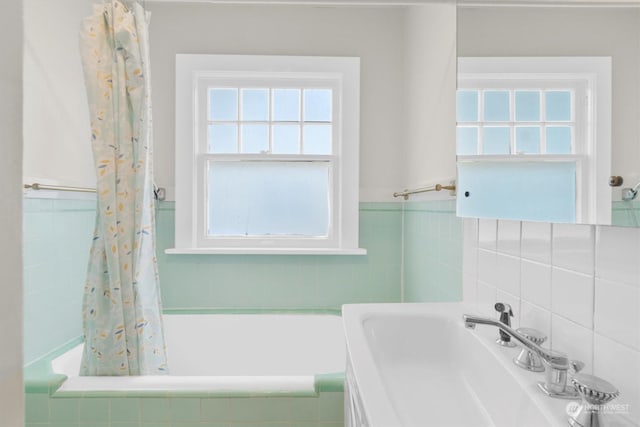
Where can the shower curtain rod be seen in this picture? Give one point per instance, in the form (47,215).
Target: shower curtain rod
(159,193)
(36,186)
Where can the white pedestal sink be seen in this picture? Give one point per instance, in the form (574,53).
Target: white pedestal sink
(417,365)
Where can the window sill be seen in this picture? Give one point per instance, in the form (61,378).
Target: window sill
(264,251)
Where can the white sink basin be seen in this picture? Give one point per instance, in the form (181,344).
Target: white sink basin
(417,365)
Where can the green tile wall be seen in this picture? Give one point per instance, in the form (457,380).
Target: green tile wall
(425,250)
(325,410)
(57,238)
(626,214)
(279,281)
(432,267)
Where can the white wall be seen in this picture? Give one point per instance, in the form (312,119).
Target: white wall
(596,31)
(376,34)
(430,154)
(407,82)
(11,395)
(57,139)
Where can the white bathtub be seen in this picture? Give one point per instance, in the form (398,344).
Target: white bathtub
(229,354)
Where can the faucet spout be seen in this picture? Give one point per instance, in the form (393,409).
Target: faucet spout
(555,359)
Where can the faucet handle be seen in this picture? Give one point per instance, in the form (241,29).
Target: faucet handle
(527,359)
(533,335)
(595,393)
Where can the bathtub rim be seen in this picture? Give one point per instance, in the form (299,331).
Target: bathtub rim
(39,376)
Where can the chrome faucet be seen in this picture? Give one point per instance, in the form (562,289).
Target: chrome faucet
(558,364)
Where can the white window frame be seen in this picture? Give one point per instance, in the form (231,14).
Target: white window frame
(590,76)
(196,72)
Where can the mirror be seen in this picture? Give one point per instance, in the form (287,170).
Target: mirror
(562,33)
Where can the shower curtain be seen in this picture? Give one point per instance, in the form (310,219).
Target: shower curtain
(122,315)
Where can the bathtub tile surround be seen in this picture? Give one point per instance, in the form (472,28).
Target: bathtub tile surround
(224,282)
(323,411)
(57,238)
(579,284)
(429,243)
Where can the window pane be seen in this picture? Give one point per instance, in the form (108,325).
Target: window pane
(496,140)
(559,140)
(528,139)
(255,104)
(255,138)
(317,139)
(527,106)
(223,138)
(268,199)
(286,105)
(317,105)
(286,139)
(534,191)
(467,140)
(558,106)
(467,105)
(496,106)
(223,104)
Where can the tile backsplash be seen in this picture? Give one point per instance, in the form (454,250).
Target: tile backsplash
(579,284)
(56,241)
(432,245)
(285,281)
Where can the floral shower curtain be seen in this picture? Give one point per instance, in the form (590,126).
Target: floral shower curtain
(122,308)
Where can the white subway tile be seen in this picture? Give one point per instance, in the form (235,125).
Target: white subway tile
(576,282)
(487,233)
(533,316)
(620,366)
(572,296)
(469,288)
(536,241)
(509,237)
(486,299)
(487,267)
(470,231)
(618,254)
(572,339)
(617,312)
(535,283)
(507,274)
(573,247)
(470,260)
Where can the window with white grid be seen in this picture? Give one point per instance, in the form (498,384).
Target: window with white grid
(521,117)
(533,138)
(267,158)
